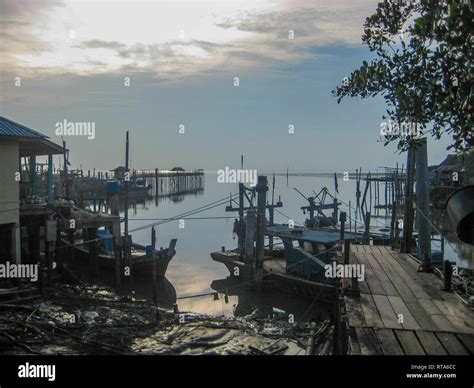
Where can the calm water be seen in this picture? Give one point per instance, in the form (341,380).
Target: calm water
(192,270)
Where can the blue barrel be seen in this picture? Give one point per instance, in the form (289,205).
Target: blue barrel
(112,187)
(107,240)
(149,250)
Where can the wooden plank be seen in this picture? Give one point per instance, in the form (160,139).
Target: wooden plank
(443,323)
(354,346)
(430,343)
(376,249)
(468,341)
(461,318)
(429,306)
(403,290)
(408,321)
(372,281)
(354,312)
(410,278)
(369,309)
(389,343)
(422,317)
(429,289)
(367,341)
(409,342)
(363,286)
(460,325)
(451,344)
(381,276)
(389,318)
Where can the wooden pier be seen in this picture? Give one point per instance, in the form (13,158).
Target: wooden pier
(400,311)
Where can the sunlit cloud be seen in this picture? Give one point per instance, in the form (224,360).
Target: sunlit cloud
(171,39)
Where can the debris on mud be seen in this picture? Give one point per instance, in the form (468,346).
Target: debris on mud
(83,320)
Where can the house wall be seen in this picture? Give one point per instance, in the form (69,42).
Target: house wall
(9,188)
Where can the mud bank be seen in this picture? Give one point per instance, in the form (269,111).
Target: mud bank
(83,320)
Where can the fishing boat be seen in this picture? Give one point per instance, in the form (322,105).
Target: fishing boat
(141,257)
(298,268)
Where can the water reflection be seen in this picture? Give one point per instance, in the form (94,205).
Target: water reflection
(271,303)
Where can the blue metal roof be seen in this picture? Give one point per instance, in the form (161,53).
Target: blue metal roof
(10,128)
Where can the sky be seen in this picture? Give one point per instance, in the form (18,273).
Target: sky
(234,74)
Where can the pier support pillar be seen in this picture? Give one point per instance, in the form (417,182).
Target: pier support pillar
(249,254)
(342,219)
(408,209)
(367,229)
(262,188)
(50,180)
(423,206)
(93,250)
(117,254)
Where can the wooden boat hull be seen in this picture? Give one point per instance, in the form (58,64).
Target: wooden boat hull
(141,263)
(275,276)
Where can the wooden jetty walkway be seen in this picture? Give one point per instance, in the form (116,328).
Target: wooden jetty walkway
(400,311)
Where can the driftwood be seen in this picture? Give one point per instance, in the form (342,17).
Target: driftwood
(19,344)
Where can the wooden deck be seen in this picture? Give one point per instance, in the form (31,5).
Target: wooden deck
(401,311)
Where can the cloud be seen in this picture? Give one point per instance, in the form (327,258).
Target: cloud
(254,38)
(96,43)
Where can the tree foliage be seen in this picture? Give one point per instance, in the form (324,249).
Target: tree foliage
(422,66)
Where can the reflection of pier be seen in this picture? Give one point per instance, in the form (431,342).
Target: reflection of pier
(270,303)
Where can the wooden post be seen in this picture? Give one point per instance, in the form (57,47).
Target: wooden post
(447,273)
(41,258)
(250,222)
(117,254)
(347,251)
(262,188)
(249,255)
(393,221)
(153,255)
(126,248)
(337,317)
(367,228)
(241,241)
(71,237)
(311,210)
(50,180)
(93,250)
(342,328)
(342,219)
(408,209)
(350,217)
(311,338)
(33,175)
(423,206)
